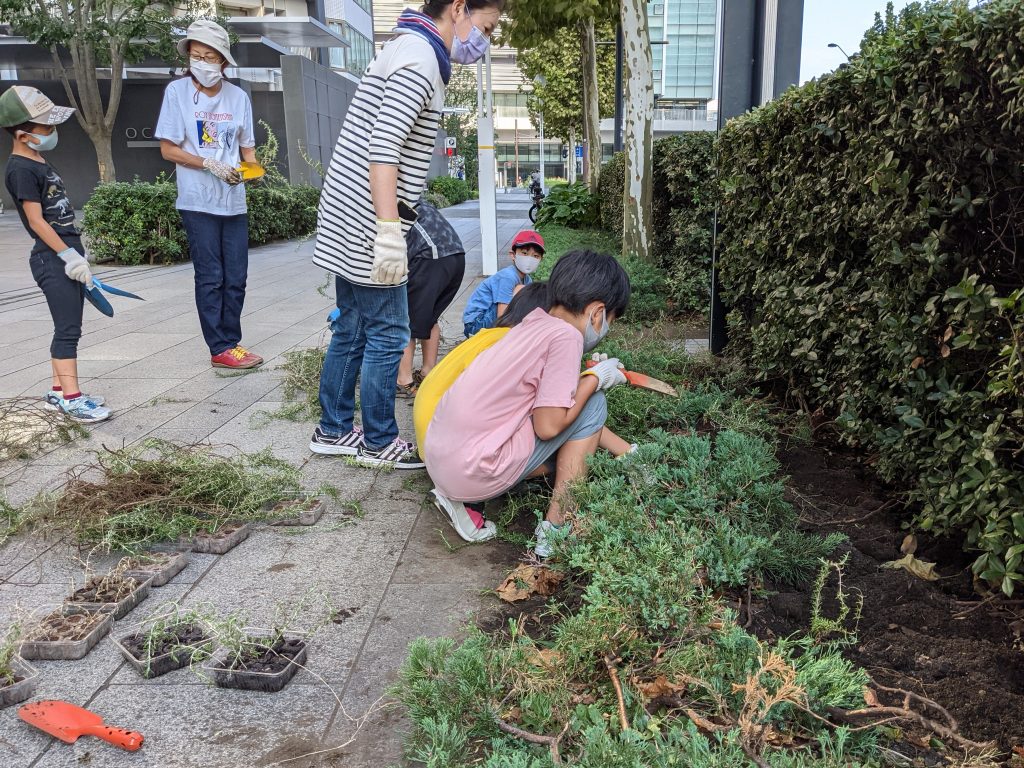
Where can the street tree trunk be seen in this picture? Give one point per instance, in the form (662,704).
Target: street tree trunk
(570,170)
(591,103)
(96,119)
(639,129)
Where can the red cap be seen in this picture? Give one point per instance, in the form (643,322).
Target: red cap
(528,237)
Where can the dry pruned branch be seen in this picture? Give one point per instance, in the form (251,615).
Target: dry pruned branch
(613,673)
(552,742)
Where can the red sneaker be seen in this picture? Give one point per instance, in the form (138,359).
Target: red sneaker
(236,358)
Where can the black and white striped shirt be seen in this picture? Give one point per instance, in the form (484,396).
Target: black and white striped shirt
(393,120)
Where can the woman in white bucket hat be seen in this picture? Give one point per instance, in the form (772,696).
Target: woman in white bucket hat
(205,129)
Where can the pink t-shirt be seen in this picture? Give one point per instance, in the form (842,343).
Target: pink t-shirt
(481,436)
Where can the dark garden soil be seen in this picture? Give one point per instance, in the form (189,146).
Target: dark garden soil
(57,626)
(271,660)
(176,637)
(938,639)
(100,589)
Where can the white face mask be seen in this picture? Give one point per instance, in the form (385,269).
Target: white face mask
(526,264)
(207,75)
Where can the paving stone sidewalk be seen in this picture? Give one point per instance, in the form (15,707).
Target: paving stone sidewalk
(392,569)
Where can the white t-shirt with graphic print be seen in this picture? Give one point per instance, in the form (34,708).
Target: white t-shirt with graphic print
(217,127)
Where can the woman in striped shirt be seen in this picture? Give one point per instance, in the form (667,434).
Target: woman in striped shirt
(381,159)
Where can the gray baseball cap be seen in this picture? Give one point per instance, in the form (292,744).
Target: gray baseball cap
(208,33)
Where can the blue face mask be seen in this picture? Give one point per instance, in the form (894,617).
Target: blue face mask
(46,143)
(471,50)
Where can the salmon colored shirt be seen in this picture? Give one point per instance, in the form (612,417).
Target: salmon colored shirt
(481,436)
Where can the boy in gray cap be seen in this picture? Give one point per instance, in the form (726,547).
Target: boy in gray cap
(57,260)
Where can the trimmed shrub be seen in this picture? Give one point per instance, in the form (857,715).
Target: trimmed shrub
(683,212)
(454,190)
(570,205)
(873,222)
(436,199)
(136,222)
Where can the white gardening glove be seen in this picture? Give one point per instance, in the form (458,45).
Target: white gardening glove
(390,259)
(608,371)
(223,171)
(76,266)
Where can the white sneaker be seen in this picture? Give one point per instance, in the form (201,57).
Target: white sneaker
(547,534)
(461,521)
(400,454)
(84,410)
(52,398)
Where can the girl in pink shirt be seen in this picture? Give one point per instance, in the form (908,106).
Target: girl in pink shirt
(522,404)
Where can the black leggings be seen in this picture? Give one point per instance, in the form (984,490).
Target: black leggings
(65,298)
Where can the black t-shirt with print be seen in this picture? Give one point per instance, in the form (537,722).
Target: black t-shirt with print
(32,182)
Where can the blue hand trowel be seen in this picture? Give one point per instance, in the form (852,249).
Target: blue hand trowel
(98,300)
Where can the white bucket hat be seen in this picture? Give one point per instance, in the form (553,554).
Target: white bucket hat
(208,33)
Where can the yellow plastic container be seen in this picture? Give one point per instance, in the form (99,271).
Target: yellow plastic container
(251,171)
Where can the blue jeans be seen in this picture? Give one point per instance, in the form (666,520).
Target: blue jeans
(368,340)
(219,246)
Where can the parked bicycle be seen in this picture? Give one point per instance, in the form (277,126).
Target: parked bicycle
(537,191)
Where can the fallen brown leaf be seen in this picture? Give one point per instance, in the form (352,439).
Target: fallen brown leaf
(870,698)
(917,363)
(915,567)
(909,545)
(659,686)
(545,658)
(704,724)
(528,580)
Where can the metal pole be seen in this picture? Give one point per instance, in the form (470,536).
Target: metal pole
(517,152)
(619,55)
(542,184)
(486,175)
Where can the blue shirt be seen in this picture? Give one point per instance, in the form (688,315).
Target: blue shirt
(497,289)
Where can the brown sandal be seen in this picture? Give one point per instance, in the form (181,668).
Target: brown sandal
(407,391)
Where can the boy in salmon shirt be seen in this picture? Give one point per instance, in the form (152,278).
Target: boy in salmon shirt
(522,404)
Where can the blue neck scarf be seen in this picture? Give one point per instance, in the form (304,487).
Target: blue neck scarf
(424,25)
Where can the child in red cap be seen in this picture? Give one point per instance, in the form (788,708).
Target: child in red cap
(493,295)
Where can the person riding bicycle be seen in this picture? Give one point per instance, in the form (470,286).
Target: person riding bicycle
(536,189)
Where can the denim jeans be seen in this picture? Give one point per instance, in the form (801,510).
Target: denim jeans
(219,246)
(368,340)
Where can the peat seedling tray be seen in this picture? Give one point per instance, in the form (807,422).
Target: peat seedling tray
(219,542)
(268,680)
(158,566)
(65,634)
(299,511)
(118,608)
(22,688)
(192,640)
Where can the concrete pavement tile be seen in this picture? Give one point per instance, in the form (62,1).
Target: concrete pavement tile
(122,394)
(64,564)
(19,551)
(197,726)
(21,601)
(429,560)
(131,346)
(23,484)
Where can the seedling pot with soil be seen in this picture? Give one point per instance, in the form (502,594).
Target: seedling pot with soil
(23,686)
(157,566)
(65,634)
(173,649)
(115,593)
(267,663)
(299,511)
(221,541)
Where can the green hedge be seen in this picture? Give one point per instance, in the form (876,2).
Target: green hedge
(136,222)
(873,226)
(683,211)
(570,205)
(454,190)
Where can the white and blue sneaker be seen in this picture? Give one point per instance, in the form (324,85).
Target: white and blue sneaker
(84,410)
(52,399)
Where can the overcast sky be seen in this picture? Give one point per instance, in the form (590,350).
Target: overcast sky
(835,21)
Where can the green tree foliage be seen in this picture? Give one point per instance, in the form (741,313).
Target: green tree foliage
(683,211)
(560,99)
(873,225)
(85,35)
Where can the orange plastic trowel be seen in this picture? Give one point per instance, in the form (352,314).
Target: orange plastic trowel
(644,381)
(66,722)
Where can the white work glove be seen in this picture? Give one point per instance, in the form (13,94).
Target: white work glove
(223,171)
(608,371)
(390,257)
(76,266)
